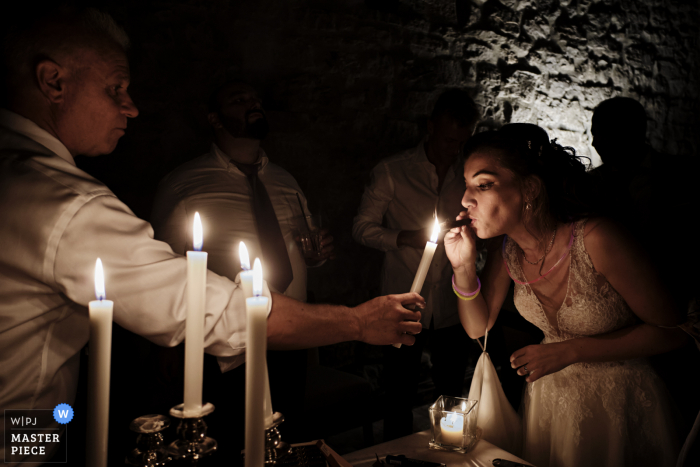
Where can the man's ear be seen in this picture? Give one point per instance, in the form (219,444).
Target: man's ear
(213,119)
(51,79)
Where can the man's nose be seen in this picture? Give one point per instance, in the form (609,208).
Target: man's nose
(128,107)
(255,103)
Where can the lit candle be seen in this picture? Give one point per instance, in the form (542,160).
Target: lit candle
(99,364)
(256,328)
(426,260)
(452,429)
(194,330)
(424,265)
(246,274)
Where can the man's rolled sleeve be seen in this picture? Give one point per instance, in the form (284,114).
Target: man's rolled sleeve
(144,277)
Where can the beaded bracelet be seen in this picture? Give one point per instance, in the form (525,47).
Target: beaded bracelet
(464,295)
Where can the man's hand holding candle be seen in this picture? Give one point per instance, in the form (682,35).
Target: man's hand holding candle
(380,321)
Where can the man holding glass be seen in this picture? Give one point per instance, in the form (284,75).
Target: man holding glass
(242,196)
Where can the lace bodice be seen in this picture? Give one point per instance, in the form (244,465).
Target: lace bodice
(591,305)
(566,412)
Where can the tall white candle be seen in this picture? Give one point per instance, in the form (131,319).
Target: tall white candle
(267,404)
(246,276)
(99,364)
(246,273)
(256,327)
(194,330)
(425,261)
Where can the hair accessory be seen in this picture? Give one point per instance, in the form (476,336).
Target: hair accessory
(503,253)
(465,295)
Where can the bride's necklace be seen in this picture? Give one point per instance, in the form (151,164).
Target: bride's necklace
(546,250)
(503,254)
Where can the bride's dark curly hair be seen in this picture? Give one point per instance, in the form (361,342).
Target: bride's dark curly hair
(526,151)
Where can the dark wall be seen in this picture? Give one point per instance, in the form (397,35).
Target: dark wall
(349,82)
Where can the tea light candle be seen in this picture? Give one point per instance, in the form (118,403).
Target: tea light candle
(194,329)
(452,429)
(99,364)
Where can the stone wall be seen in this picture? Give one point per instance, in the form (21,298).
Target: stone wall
(349,82)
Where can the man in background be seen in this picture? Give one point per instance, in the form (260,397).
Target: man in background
(242,196)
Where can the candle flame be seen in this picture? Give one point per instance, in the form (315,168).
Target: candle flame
(243,256)
(257,278)
(197,233)
(99,280)
(436,231)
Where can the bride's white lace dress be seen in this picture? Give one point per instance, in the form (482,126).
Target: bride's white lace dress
(591,414)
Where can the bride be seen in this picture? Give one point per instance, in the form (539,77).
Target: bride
(592,398)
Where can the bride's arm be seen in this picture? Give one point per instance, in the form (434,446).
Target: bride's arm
(475,315)
(628,271)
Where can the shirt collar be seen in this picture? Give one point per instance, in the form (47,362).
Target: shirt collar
(421,156)
(31,130)
(225,161)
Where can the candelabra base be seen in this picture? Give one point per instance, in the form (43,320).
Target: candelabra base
(194,444)
(275,448)
(150,448)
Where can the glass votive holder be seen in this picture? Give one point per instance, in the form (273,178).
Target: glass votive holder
(453,424)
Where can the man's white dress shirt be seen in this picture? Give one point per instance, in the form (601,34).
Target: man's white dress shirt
(403,195)
(212,185)
(56,221)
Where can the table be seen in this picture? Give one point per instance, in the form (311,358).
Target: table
(416,446)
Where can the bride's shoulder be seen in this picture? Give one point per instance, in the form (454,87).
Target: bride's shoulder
(605,238)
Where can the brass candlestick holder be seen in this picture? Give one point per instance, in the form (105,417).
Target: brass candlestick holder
(275,448)
(150,450)
(194,444)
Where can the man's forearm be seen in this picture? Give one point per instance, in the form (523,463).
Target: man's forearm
(380,321)
(295,325)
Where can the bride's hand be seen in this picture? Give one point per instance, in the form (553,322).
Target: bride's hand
(460,245)
(536,361)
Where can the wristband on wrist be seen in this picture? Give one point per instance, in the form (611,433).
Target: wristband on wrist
(465,295)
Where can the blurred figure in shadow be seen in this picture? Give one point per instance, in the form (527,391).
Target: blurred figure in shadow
(396,216)
(649,193)
(246,197)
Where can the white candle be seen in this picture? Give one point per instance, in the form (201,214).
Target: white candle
(256,328)
(425,261)
(452,429)
(99,364)
(246,274)
(194,330)
(267,404)
(424,265)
